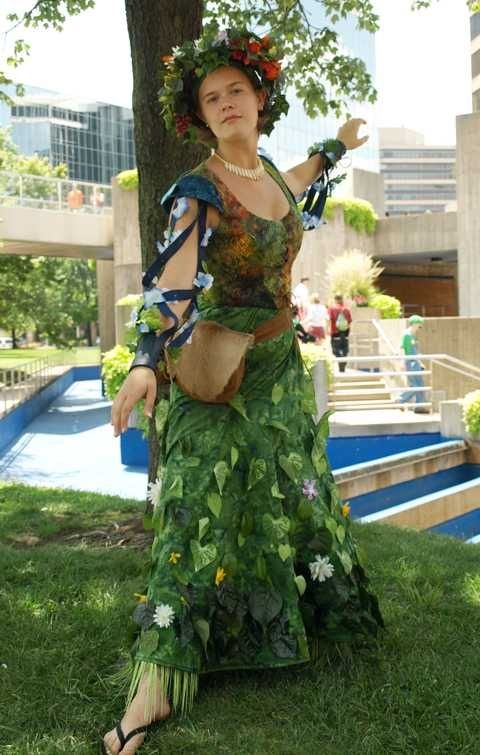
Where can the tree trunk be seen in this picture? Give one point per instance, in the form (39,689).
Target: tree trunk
(154,27)
(14,339)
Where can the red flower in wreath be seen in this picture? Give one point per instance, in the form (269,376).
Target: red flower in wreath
(254,47)
(182,123)
(271,69)
(239,55)
(266,41)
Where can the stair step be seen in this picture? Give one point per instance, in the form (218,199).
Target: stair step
(359,384)
(367,393)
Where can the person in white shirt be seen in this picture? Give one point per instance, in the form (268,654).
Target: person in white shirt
(301,295)
(317,318)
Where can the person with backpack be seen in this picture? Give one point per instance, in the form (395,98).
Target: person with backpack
(340,319)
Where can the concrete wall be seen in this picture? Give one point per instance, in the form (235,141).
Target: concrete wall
(327,241)
(126,241)
(430,233)
(106,304)
(468,197)
(364,184)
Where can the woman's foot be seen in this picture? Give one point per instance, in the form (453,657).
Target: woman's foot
(135,716)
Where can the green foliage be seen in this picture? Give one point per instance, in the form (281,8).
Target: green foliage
(389,307)
(357,213)
(49,295)
(352,273)
(115,366)
(313,353)
(128,179)
(471,412)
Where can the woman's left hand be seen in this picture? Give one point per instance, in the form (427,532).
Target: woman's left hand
(348,133)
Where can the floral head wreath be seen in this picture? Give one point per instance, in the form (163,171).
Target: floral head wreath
(258,58)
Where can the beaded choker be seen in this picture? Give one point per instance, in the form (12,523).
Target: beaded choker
(252,173)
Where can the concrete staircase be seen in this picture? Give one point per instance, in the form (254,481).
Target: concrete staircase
(426,488)
(355,390)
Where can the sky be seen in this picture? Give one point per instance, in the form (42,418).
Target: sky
(423,61)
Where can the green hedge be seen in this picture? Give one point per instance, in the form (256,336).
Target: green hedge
(357,213)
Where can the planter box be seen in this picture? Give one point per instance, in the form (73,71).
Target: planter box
(133,448)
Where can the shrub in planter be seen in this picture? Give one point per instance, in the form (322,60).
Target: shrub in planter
(471,412)
(128,179)
(389,307)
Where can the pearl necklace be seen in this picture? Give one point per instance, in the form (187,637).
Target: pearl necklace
(252,173)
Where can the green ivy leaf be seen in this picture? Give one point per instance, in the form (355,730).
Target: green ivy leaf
(284,551)
(261,568)
(202,628)
(258,468)
(202,555)
(233,457)
(340,533)
(275,529)
(291,465)
(247,524)
(148,641)
(203,526)
(319,460)
(174,491)
(238,403)
(277,393)
(214,503)
(240,540)
(264,604)
(221,472)
(346,561)
(230,564)
(304,511)
(301,584)
(331,525)
(192,461)
(276,492)
(278,425)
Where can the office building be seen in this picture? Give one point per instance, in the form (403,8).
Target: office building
(94,139)
(418,177)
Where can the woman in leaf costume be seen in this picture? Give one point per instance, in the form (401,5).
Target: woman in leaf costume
(253,562)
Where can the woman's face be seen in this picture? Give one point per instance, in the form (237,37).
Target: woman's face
(229,104)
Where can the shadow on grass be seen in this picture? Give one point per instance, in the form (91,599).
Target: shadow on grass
(66,622)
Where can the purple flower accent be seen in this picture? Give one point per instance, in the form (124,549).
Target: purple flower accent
(143,328)
(309,489)
(154,296)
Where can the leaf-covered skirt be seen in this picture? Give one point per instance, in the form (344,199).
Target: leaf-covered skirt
(253,563)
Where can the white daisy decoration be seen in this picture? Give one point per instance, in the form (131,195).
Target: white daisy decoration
(163,616)
(153,492)
(321,569)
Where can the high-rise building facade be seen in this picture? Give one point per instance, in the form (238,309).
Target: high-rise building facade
(94,139)
(475,51)
(296,132)
(418,178)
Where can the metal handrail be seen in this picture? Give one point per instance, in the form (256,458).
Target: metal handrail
(48,193)
(19,382)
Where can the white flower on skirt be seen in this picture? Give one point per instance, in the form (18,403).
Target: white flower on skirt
(153,492)
(321,568)
(163,615)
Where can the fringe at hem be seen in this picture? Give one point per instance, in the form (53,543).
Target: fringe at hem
(174,685)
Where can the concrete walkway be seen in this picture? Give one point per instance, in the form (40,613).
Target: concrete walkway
(71,445)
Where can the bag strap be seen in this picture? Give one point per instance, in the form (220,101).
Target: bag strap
(274,327)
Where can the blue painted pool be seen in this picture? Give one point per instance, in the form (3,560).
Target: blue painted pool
(345,451)
(377,500)
(464,526)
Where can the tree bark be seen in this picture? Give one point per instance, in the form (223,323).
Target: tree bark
(154,27)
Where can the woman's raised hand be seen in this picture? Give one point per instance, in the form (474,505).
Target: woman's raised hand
(140,383)
(348,133)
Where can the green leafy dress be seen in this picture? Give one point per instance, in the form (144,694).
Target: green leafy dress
(253,564)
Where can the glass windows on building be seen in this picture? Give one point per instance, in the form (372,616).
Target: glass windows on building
(474,26)
(95,140)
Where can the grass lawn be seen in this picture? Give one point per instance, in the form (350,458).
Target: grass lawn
(66,611)
(81,355)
